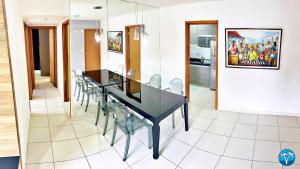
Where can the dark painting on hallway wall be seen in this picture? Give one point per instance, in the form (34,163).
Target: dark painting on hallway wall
(115,41)
(253,48)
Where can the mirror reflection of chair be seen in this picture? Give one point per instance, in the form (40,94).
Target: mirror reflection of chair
(87,89)
(78,83)
(128,123)
(155,81)
(131,74)
(176,86)
(120,69)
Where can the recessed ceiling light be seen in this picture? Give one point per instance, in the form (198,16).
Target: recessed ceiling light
(76,16)
(98,7)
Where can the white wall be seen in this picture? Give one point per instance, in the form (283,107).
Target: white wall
(45,7)
(246,90)
(18,61)
(150,53)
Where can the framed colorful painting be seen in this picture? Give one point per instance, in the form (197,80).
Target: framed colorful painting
(115,41)
(253,48)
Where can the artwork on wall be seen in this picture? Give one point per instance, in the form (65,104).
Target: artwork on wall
(115,41)
(253,48)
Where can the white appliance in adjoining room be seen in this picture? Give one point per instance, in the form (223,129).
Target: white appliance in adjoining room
(212,76)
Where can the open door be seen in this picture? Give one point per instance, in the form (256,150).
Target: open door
(52,56)
(133,51)
(92,50)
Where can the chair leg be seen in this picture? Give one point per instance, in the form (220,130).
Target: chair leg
(182,114)
(75,89)
(79,91)
(98,113)
(126,147)
(82,98)
(173,120)
(150,141)
(106,123)
(114,135)
(87,102)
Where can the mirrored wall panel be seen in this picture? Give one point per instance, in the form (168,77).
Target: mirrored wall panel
(115,44)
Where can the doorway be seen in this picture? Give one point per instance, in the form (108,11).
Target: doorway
(41,55)
(92,50)
(133,50)
(201,57)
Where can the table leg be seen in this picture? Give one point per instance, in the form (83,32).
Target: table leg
(155,137)
(186,115)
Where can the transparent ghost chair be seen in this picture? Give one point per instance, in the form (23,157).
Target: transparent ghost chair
(131,74)
(155,81)
(128,123)
(78,83)
(176,86)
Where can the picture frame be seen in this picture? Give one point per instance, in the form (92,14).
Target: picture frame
(115,41)
(254,48)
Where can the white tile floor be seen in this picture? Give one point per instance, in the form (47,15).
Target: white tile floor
(216,139)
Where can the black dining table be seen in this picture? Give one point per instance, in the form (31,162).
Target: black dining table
(151,103)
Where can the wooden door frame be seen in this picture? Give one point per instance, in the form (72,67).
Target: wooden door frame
(127,54)
(66,59)
(30,56)
(87,29)
(29,59)
(187,55)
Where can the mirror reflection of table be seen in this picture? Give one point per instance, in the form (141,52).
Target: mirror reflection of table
(151,103)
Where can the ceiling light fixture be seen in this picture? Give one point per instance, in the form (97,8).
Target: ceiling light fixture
(99,30)
(136,33)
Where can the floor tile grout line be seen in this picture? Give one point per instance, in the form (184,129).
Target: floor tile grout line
(49,131)
(280,144)
(196,142)
(254,142)
(228,141)
(85,156)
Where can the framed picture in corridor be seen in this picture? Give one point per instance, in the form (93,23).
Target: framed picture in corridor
(115,41)
(253,48)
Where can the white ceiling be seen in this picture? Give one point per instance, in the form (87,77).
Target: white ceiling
(43,20)
(164,3)
(83,9)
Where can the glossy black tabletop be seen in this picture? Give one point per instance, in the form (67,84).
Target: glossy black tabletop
(152,103)
(104,77)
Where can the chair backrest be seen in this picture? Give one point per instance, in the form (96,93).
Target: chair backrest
(120,69)
(84,82)
(75,75)
(120,111)
(155,81)
(176,86)
(131,74)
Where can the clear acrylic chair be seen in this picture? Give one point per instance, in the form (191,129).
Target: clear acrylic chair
(89,89)
(78,83)
(131,74)
(120,69)
(105,106)
(155,81)
(128,123)
(176,86)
